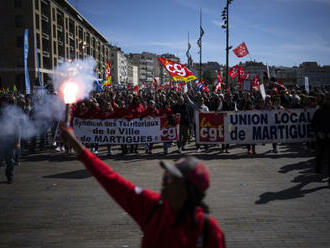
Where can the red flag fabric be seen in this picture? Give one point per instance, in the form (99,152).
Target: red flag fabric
(242,75)
(219,78)
(241,50)
(205,88)
(218,87)
(136,89)
(177,71)
(177,87)
(234,71)
(255,82)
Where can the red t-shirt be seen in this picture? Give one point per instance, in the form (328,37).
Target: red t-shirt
(138,203)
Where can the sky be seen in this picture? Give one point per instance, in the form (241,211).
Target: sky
(276,32)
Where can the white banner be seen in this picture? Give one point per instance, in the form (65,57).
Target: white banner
(307,85)
(253,127)
(123,131)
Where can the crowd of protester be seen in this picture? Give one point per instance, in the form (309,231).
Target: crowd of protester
(148,102)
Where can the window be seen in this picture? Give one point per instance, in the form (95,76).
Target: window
(18,3)
(36,4)
(38,41)
(37,21)
(46,62)
(19,41)
(19,21)
(54,47)
(55,62)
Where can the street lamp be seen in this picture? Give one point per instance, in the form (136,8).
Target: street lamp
(225,25)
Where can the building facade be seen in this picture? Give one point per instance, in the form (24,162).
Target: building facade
(60,33)
(132,74)
(119,65)
(317,75)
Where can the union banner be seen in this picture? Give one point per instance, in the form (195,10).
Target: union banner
(123,131)
(254,126)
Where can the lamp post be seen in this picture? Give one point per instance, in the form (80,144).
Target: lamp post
(225,25)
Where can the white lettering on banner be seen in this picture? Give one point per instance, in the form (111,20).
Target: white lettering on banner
(122,131)
(178,69)
(253,127)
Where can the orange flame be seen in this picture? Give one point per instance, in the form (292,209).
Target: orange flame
(70,92)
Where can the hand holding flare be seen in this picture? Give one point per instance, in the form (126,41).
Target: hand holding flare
(70,92)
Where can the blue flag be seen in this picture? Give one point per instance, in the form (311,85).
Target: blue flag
(39,75)
(26,53)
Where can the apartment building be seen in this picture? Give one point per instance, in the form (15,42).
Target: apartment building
(317,75)
(132,74)
(60,33)
(119,65)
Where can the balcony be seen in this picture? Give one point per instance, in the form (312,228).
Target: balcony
(45,36)
(44,18)
(46,54)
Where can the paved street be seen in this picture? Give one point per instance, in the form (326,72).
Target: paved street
(263,200)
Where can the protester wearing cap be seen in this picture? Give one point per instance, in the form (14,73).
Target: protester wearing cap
(176,217)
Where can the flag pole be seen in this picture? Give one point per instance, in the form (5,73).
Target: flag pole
(200,48)
(227,43)
(187,54)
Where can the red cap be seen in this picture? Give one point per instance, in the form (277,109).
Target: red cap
(190,168)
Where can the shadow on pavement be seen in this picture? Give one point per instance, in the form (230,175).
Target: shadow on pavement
(306,177)
(214,152)
(78,174)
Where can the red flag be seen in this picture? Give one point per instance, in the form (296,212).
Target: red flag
(219,83)
(136,89)
(154,83)
(219,78)
(218,87)
(177,71)
(255,83)
(205,88)
(247,76)
(177,87)
(241,50)
(233,72)
(242,75)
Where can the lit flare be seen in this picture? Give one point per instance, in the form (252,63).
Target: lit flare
(70,92)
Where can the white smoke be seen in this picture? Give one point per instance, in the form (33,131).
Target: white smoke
(47,108)
(79,71)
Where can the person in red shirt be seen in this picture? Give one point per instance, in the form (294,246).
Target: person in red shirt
(176,217)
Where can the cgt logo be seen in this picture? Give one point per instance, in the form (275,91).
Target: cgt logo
(212,133)
(169,133)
